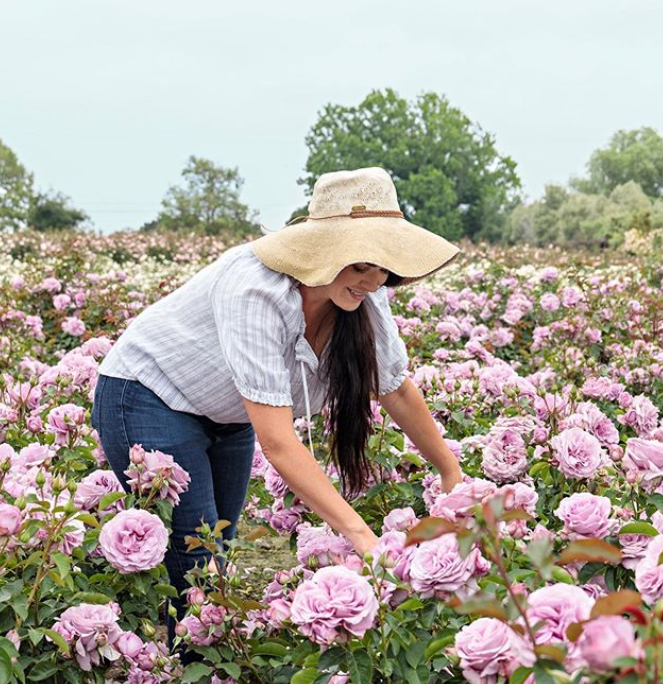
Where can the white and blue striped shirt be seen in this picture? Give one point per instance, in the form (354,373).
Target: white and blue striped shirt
(236,329)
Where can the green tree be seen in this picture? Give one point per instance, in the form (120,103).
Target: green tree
(208,201)
(447,171)
(54,212)
(15,190)
(629,156)
(576,219)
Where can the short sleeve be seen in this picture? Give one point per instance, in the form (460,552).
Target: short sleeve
(390,349)
(252,336)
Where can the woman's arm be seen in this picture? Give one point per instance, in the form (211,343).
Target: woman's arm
(301,472)
(408,408)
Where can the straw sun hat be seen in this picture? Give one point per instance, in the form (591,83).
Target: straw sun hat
(353,218)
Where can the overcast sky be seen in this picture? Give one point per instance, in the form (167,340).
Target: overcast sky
(105,100)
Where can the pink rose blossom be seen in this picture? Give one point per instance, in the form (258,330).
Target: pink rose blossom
(437,568)
(587,515)
(159,471)
(11,519)
(578,453)
(641,415)
(648,572)
(64,421)
(93,632)
(489,648)
(93,487)
(643,459)
(605,639)
(557,606)
(73,326)
(334,605)
(133,541)
(319,546)
(504,455)
(400,519)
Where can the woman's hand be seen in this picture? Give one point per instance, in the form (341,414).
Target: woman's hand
(303,475)
(408,408)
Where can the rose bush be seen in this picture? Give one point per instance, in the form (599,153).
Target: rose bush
(546,382)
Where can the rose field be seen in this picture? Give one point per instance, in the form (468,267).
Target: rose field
(544,371)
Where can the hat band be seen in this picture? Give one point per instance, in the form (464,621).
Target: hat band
(357,212)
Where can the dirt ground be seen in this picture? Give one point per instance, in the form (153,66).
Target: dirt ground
(258,565)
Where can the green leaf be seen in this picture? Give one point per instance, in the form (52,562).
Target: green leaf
(411,604)
(307,676)
(5,667)
(542,673)
(62,562)
(92,597)
(109,499)
(195,672)
(42,671)
(639,527)
(331,659)
(414,654)
(436,645)
(166,590)
(520,675)
(270,648)
(657,500)
(360,667)
(57,639)
(235,671)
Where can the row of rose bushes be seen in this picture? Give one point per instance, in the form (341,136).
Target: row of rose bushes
(546,380)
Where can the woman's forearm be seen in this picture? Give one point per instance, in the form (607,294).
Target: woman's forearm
(408,408)
(306,479)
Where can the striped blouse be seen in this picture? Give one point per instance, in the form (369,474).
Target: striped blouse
(236,329)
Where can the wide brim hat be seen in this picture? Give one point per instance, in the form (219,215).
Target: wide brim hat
(354,217)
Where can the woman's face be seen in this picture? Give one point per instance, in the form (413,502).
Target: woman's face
(350,287)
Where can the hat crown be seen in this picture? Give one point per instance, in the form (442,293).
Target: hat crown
(337,193)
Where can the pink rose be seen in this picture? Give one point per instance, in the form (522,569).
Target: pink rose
(64,421)
(437,568)
(643,459)
(11,519)
(134,541)
(586,515)
(159,471)
(462,499)
(606,639)
(641,415)
(504,456)
(557,606)
(578,453)
(73,326)
(648,572)
(400,519)
(488,648)
(93,487)
(334,605)
(92,630)
(319,546)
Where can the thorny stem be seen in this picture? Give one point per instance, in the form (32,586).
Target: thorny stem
(497,559)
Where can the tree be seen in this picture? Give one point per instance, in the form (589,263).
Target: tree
(629,156)
(53,212)
(448,174)
(575,219)
(15,190)
(208,202)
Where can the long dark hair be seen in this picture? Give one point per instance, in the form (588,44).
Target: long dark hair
(351,368)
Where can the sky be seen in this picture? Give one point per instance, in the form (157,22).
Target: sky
(105,100)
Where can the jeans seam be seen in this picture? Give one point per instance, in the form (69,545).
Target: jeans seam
(124,423)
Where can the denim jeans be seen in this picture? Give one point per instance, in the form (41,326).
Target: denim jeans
(217,457)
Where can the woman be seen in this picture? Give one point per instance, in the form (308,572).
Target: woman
(272,330)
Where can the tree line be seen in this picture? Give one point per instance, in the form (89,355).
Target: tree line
(448,172)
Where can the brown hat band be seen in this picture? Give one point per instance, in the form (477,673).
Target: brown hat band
(357,212)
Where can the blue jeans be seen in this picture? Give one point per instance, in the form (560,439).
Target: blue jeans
(217,457)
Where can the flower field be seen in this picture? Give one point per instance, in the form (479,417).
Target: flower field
(545,374)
